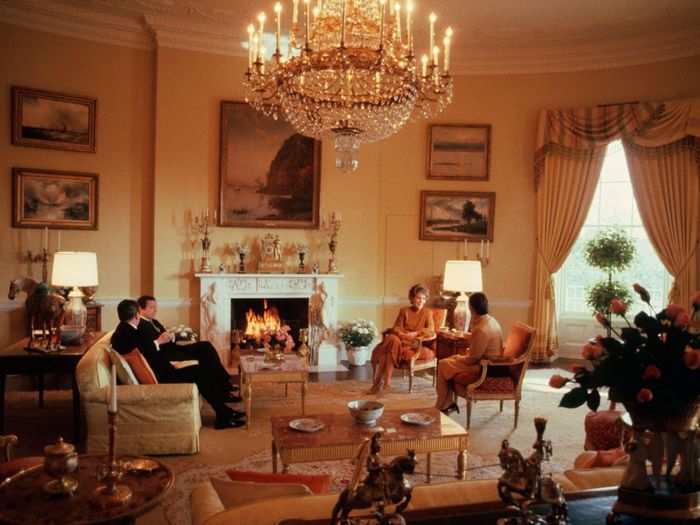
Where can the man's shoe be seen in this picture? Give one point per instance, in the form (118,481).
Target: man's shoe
(232,422)
(232,398)
(237,414)
(454,407)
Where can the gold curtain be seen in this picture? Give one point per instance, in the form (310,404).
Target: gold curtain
(666,186)
(564,196)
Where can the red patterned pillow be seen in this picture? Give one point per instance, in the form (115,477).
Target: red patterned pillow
(319,484)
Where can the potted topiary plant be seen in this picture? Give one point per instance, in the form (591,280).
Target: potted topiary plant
(611,251)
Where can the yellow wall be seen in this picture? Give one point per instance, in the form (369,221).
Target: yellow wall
(158,149)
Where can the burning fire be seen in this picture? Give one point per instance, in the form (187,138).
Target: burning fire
(258,324)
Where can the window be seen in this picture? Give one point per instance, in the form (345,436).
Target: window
(613,206)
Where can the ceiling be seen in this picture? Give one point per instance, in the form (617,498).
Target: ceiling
(491,36)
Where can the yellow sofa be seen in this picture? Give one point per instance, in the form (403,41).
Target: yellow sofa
(208,509)
(152,419)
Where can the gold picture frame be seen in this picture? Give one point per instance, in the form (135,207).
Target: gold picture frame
(457,215)
(459,151)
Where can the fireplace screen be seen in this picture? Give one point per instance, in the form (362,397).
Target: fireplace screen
(256,317)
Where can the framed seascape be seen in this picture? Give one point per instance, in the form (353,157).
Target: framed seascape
(44,119)
(269,173)
(457,215)
(459,151)
(65,200)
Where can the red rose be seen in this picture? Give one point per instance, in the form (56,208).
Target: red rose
(557,381)
(691,358)
(617,306)
(577,369)
(642,292)
(651,372)
(674,310)
(592,351)
(600,317)
(645,395)
(682,320)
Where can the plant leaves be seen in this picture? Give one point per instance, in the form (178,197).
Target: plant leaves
(593,400)
(574,398)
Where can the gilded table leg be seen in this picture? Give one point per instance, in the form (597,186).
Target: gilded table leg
(462,465)
(249,403)
(428,469)
(274,457)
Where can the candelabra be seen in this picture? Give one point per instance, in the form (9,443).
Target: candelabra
(243,250)
(201,227)
(483,255)
(110,493)
(302,250)
(42,257)
(333,228)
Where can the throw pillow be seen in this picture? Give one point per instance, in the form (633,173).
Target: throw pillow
(140,366)
(319,484)
(234,493)
(125,375)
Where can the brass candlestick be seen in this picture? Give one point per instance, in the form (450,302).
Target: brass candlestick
(333,228)
(42,257)
(110,493)
(302,250)
(201,227)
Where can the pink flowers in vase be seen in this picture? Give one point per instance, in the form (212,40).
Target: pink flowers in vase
(280,337)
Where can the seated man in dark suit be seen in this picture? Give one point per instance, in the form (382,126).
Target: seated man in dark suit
(126,337)
(202,351)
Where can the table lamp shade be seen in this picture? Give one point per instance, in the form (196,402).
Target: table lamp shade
(74,269)
(462,276)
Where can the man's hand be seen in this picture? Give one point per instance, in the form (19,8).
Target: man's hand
(164,338)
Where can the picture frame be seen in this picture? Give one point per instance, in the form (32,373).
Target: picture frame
(457,215)
(45,119)
(269,175)
(64,200)
(459,151)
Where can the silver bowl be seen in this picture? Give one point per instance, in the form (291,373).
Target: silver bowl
(365,412)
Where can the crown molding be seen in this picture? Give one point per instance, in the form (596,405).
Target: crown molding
(147,24)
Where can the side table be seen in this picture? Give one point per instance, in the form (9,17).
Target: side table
(23,501)
(449,344)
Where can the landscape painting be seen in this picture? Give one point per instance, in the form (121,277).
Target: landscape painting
(44,119)
(269,173)
(54,199)
(459,151)
(457,215)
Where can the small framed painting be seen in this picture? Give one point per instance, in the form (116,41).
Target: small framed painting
(43,119)
(459,151)
(457,215)
(65,200)
(270,175)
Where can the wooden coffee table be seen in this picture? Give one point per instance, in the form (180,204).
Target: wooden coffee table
(255,370)
(341,437)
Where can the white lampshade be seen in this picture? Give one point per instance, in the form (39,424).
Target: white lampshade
(462,276)
(74,269)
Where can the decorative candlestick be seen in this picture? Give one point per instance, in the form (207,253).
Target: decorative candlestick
(242,250)
(302,249)
(304,351)
(333,227)
(201,227)
(42,257)
(484,256)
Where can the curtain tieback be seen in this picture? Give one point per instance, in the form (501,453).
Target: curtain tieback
(687,260)
(674,288)
(549,291)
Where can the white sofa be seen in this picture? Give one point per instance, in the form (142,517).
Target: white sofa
(152,419)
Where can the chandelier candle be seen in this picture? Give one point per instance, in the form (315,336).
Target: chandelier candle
(349,73)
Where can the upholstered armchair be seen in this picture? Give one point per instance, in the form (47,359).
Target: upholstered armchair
(418,365)
(501,379)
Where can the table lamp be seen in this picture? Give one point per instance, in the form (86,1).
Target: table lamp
(463,277)
(71,270)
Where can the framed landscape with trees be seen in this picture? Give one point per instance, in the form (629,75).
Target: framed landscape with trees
(457,215)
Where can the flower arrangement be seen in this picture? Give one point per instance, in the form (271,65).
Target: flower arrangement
(652,365)
(183,333)
(357,333)
(278,337)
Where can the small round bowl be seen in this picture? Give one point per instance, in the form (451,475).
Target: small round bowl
(365,412)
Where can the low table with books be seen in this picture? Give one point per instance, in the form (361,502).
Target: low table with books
(338,436)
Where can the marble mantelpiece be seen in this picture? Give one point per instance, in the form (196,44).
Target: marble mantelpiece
(216,290)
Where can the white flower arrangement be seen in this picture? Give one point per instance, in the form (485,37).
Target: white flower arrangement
(183,333)
(359,332)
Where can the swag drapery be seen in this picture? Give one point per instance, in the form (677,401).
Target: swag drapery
(662,145)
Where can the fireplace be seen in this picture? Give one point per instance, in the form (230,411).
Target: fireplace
(253,316)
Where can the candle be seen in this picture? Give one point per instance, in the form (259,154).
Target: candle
(447,41)
(481,250)
(251,50)
(256,43)
(45,238)
(409,37)
(295,12)
(58,243)
(278,12)
(466,248)
(424,62)
(397,10)
(488,249)
(436,55)
(382,3)
(113,390)
(308,21)
(432,18)
(342,23)
(215,216)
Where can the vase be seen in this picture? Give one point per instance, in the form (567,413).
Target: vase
(671,419)
(357,355)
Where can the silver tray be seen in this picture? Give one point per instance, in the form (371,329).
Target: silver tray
(306,424)
(416,418)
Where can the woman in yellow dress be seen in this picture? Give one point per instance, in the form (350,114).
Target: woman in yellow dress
(401,342)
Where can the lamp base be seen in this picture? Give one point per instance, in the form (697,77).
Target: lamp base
(462,316)
(75,318)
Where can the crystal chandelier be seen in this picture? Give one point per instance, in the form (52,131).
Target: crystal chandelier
(349,71)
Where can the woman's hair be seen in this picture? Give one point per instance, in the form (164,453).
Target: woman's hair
(479,303)
(416,289)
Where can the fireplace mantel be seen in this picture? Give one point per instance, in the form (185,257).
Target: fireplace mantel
(217,289)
